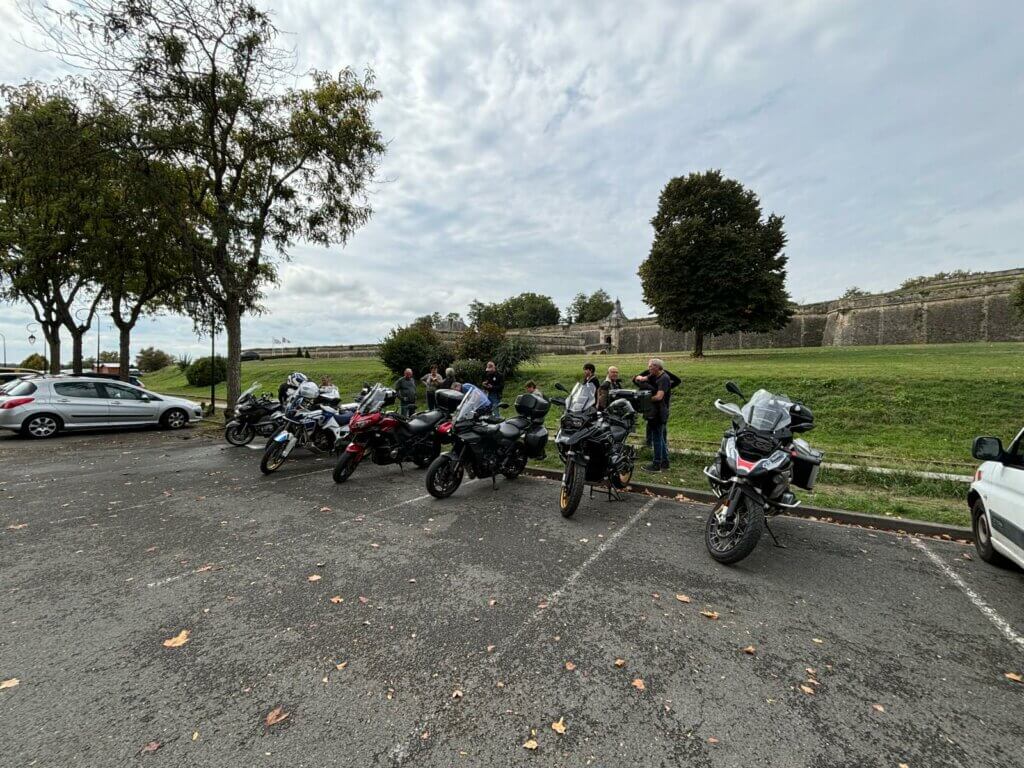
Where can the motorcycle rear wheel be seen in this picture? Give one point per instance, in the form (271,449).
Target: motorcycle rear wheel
(731,545)
(572,490)
(273,457)
(444,476)
(345,467)
(240,434)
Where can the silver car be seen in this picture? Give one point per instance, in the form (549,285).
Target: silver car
(42,406)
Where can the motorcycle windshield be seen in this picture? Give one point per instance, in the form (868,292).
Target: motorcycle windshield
(249,391)
(472,402)
(766,412)
(373,401)
(581,399)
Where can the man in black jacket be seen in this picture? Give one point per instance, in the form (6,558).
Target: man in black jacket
(493,384)
(661,383)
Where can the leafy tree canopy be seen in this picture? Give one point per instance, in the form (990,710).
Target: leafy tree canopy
(590,309)
(523,311)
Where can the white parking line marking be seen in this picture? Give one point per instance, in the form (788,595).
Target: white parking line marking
(401,751)
(988,611)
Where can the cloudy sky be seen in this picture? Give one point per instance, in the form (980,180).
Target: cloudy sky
(528,143)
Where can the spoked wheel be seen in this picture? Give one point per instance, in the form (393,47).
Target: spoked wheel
(240,434)
(572,490)
(346,465)
(444,476)
(273,457)
(733,529)
(515,462)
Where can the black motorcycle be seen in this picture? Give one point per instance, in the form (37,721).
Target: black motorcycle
(758,460)
(592,443)
(484,445)
(253,416)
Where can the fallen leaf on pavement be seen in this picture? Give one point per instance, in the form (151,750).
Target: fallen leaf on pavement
(904,765)
(178,640)
(1014,676)
(620,663)
(712,740)
(325,509)
(530,744)
(275,716)
(570,666)
(683,598)
(807,689)
(337,599)
(457,694)
(10,683)
(341,665)
(810,671)
(153,746)
(314,577)
(639,684)
(558,726)
(363,600)
(818,641)
(713,615)
(878,708)
(203,569)
(17,527)
(195,735)
(492,602)
(749,650)
(490,648)
(151,549)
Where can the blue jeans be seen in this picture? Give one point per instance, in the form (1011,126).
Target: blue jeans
(407,409)
(659,437)
(494,399)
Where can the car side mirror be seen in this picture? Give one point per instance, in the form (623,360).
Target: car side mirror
(560,387)
(731,387)
(146,398)
(987,449)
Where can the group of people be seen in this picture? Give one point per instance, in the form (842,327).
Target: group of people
(655,379)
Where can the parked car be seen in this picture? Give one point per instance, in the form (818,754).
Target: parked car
(132,378)
(248,356)
(11,374)
(42,406)
(996,500)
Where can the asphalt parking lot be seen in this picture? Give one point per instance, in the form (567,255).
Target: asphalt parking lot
(466,627)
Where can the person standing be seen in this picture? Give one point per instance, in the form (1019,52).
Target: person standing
(641,380)
(661,386)
(493,384)
(611,382)
(590,376)
(533,389)
(449,379)
(405,388)
(432,381)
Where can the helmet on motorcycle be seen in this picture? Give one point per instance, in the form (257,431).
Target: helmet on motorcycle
(309,390)
(297,378)
(621,409)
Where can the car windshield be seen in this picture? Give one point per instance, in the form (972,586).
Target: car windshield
(767,412)
(373,401)
(581,399)
(472,402)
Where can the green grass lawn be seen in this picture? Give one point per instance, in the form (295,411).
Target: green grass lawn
(906,407)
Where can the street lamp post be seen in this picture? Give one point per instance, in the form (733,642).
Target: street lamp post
(32,328)
(5,349)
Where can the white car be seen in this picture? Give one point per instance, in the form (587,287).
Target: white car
(996,500)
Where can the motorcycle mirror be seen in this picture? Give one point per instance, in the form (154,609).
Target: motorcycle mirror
(503,405)
(558,400)
(731,387)
(559,387)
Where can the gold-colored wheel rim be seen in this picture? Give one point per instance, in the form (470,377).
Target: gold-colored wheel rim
(564,498)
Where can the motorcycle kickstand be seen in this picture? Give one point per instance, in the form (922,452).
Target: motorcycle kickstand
(772,534)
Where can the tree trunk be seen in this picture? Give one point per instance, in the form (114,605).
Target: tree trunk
(53,340)
(698,343)
(76,351)
(233,326)
(124,350)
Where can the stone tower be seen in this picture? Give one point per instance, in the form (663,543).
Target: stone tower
(612,326)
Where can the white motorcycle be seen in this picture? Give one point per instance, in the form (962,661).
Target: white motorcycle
(309,422)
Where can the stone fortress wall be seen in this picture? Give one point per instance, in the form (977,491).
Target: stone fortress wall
(942,311)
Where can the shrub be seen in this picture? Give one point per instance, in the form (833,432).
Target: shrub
(183,362)
(512,353)
(415,347)
(35,361)
(200,373)
(152,359)
(469,370)
(480,343)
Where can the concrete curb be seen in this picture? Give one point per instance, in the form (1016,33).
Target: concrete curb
(859,519)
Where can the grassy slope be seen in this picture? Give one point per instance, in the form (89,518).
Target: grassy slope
(903,407)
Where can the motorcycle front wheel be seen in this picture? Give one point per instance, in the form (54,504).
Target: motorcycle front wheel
(733,537)
(572,490)
(444,476)
(346,465)
(273,457)
(240,434)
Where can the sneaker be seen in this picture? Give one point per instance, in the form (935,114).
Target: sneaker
(665,467)
(652,467)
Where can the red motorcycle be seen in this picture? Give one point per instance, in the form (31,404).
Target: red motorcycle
(387,436)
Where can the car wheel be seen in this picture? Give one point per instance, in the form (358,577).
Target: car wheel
(174,419)
(983,535)
(40,426)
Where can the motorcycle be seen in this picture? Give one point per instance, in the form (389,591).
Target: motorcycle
(486,446)
(253,416)
(307,423)
(388,437)
(592,443)
(758,460)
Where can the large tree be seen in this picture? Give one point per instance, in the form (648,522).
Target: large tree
(267,164)
(716,264)
(48,189)
(590,309)
(523,311)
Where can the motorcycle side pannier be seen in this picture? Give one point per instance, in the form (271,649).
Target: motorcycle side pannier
(806,465)
(447,399)
(535,441)
(532,407)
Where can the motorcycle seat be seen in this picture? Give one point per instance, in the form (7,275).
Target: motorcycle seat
(509,430)
(424,422)
(487,429)
(521,422)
